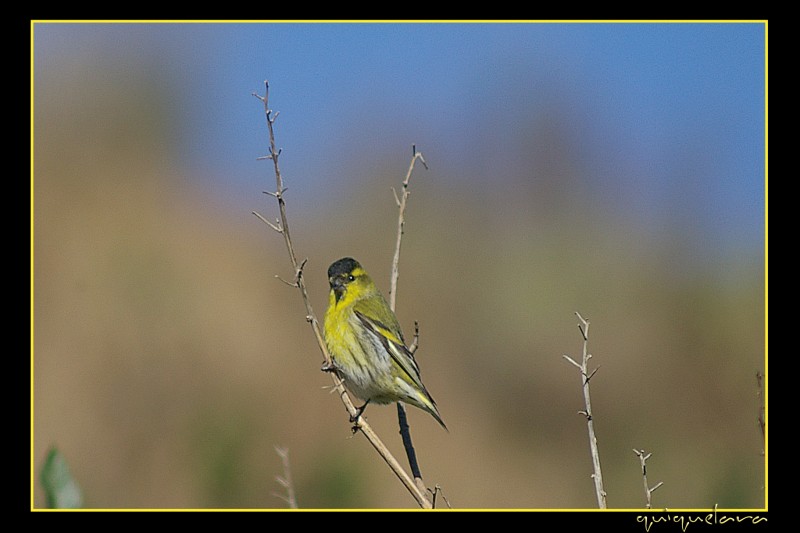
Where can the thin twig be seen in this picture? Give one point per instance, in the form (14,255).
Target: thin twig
(762,423)
(597,474)
(401,221)
(648,490)
(283,226)
(415,341)
(405,430)
(437,490)
(286,480)
(360,423)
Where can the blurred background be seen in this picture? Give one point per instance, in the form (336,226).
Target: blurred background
(616,170)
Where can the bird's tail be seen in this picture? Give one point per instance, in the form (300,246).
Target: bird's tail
(424,401)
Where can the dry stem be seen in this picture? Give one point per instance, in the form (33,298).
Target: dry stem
(401,205)
(405,431)
(648,490)
(597,474)
(762,424)
(282,227)
(286,480)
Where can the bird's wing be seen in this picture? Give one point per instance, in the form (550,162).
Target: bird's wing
(394,346)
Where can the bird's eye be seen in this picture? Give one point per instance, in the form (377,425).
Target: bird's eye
(351,278)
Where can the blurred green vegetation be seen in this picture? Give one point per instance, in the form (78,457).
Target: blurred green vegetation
(60,488)
(169,362)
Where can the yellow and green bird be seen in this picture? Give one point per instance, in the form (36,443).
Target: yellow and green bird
(366,343)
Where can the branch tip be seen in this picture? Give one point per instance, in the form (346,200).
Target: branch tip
(289,283)
(415,340)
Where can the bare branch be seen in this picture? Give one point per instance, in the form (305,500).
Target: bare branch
(571,360)
(648,490)
(289,283)
(415,341)
(267,222)
(401,204)
(762,423)
(286,480)
(360,424)
(597,474)
(401,201)
(435,492)
(280,189)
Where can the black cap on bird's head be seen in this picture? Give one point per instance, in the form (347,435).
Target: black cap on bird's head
(341,273)
(343,266)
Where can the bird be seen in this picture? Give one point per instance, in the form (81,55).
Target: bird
(366,343)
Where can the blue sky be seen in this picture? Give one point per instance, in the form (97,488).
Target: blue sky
(642,100)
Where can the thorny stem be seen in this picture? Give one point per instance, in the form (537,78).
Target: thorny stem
(286,480)
(648,491)
(762,424)
(597,474)
(415,342)
(401,205)
(405,431)
(283,229)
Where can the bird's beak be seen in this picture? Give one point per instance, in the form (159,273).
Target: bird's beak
(337,286)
